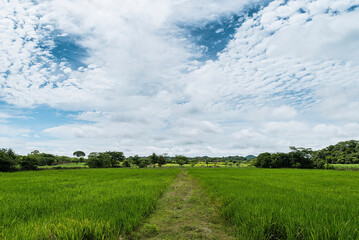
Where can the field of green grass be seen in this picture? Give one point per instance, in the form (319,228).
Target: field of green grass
(66,165)
(285,203)
(212,165)
(346,166)
(78,204)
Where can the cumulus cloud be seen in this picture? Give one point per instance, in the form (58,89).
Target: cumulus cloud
(288,76)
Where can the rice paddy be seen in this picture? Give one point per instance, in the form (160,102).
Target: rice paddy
(78,204)
(285,203)
(108,203)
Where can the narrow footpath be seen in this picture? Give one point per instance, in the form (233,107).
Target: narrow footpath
(184,212)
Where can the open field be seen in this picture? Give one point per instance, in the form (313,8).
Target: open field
(78,204)
(285,203)
(106,203)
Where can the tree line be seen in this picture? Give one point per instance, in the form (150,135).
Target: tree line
(346,152)
(9,161)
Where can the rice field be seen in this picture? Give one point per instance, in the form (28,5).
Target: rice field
(285,203)
(78,204)
(108,203)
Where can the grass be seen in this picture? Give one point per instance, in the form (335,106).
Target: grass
(285,203)
(66,165)
(346,166)
(184,212)
(211,165)
(78,204)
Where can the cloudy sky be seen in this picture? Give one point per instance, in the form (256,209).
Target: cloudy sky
(194,77)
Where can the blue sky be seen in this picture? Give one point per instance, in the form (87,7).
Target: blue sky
(200,77)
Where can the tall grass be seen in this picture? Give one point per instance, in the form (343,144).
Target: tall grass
(286,203)
(78,204)
(354,167)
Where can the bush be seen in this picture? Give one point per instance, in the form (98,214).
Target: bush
(181,160)
(297,158)
(143,162)
(7,160)
(115,158)
(99,160)
(264,160)
(46,159)
(29,163)
(126,163)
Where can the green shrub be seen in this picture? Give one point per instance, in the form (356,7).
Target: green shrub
(7,160)
(144,162)
(126,163)
(29,163)
(99,160)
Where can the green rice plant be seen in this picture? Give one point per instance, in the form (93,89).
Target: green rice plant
(354,167)
(285,203)
(78,204)
(66,165)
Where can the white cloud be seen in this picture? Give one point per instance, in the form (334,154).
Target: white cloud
(288,77)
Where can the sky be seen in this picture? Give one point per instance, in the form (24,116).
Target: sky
(192,77)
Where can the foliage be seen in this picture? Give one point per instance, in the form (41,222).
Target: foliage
(341,153)
(29,162)
(46,159)
(104,159)
(297,158)
(194,161)
(126,163)
(115,158)
(153,159)
(79,154)
(144,162)
(98,160)
(136,160)
(181,160)
(8,160)
(161,160)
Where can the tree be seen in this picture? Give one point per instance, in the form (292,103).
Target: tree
(207,160)
(29,162)
(194,161)
(116,158)
(161,160)
(99,160)
(35,152)
(45,159)
(7,160)
(144,162)
(300,157)
(215,161)
(126,163)
(79,154)
(263,160)
(280,160)
(180,160)
(136,160)
(153,159)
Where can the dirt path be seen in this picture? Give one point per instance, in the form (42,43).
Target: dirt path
(184,212)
